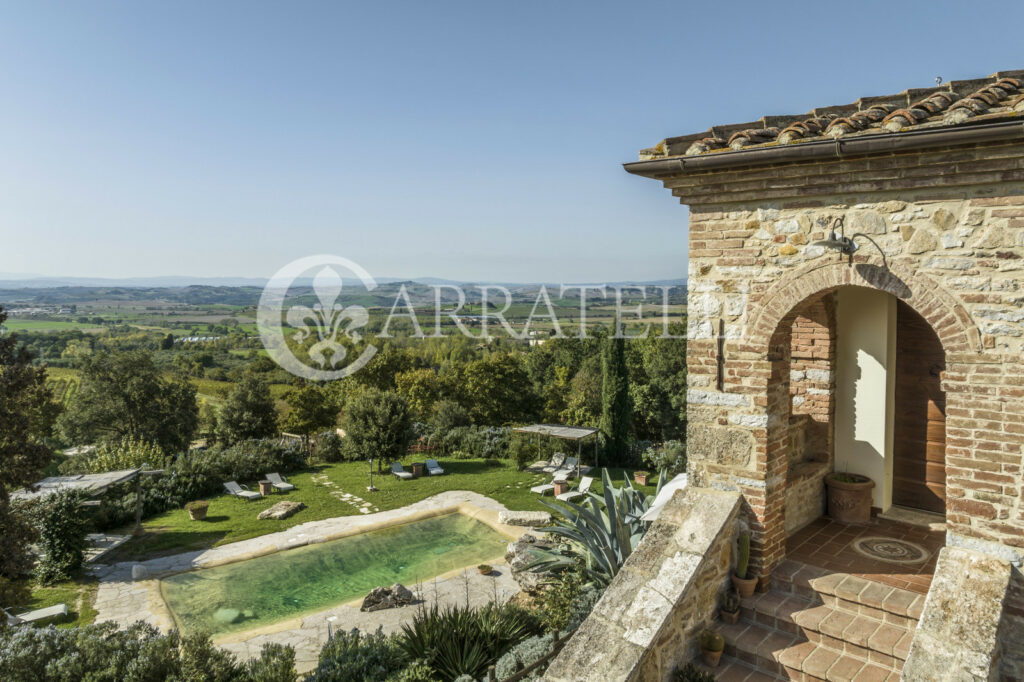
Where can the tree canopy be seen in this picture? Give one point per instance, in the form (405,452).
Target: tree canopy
(377,424)
(124,394)
(27,412)
(249,412)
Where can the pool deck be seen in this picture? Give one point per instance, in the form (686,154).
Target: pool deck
(124,601)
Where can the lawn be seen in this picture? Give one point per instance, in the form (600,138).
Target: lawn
(230,519)
(79,595)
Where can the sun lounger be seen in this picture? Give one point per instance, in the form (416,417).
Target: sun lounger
(399,471)
(241,491)
(579,492)
(279,482)
(542,489)
(568,469)
(433,468)
(555,464)
(38,614)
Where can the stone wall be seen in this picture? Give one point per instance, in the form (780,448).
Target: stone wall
(950,223)
(647,621)
(958,637)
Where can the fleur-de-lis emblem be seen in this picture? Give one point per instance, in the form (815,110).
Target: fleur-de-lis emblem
(328,318)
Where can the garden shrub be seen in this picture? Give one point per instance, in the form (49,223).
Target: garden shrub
(352,655)
(691,673)
(556,601)
(458,640)
(582,605)
(525,653)
(417,671)
(139,652)
(669,457)
(61,526)
(327,447)
(474,441)
(128,453)
(464,678)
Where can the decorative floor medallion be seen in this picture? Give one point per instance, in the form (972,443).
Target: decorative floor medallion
(891,550)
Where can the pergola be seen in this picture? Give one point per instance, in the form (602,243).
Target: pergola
(571,433)
(91,485)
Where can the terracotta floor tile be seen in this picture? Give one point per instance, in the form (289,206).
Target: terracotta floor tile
(794,656)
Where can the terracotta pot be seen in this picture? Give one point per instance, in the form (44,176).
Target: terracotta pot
(641,477)
(730,617)
(485,570)
(266,487)
(417,469)
(561,487)
(849,501)
(744,586)
(197,514)
(711,657)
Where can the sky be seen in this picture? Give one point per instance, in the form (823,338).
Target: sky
(477,141)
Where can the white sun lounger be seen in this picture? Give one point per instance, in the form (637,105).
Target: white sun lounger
(241,491)
(38,614)
(279,482)
(579,492)
(433,468)
(568,469)
(542,489)
(555,464)
(398,470)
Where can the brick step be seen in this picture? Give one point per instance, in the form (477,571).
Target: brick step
(842,630)
(849,593)
(789,656)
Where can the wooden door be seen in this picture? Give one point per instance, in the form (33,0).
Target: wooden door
(919,464)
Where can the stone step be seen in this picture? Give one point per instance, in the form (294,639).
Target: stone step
(853,594)
(842,630)
(788,656)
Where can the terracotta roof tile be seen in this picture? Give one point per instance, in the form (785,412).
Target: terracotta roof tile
(997,97)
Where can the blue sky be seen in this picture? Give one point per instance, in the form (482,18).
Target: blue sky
(467,140)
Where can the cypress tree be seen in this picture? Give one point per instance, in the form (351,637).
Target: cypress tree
(615,417)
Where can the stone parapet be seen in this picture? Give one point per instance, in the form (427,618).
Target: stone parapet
(647,621)
(958,637)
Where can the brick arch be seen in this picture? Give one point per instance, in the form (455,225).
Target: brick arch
(768,338)
(946,315)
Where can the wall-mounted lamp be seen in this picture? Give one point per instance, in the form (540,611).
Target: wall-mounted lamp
(838,241)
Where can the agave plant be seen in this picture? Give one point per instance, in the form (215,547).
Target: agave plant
(601,533)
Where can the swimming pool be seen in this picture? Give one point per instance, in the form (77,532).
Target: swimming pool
(290,583)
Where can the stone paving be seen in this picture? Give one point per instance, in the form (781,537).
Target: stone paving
(337,493)
(124,601)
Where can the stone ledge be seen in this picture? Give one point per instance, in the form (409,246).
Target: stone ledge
(524,518)
(958,636)
(645,622)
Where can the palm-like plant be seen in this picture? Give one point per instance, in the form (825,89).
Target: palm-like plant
(601,533)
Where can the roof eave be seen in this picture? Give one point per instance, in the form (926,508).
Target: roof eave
(831,149)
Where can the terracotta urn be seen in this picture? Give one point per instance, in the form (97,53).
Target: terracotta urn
(711,658)
(561,487)
(417,469)
(849,497)
(641,477)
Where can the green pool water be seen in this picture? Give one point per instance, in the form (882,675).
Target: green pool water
(256,592)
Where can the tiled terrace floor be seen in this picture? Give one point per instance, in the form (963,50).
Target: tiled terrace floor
(828,544)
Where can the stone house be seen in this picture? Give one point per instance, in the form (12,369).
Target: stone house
(898,358)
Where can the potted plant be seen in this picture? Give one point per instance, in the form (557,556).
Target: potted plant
(712,645)
(197,509)
(849,497)
(485,569)
(744,584)
(730,610)
(561,486)
(641,477)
